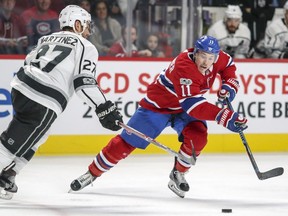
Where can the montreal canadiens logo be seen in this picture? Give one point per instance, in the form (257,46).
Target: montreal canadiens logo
(43,28)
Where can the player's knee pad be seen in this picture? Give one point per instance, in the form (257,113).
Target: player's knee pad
(195,132)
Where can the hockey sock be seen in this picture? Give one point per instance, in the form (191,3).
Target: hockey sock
(6,157)
(195,139)
(181,165)
(116,150)
(20,164)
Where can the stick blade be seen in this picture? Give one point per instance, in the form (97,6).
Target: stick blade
(271,173)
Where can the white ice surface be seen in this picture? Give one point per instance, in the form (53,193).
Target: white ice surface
(138,186)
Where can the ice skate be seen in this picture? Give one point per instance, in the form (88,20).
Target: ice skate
(7,184)
(178,183)
(82,181)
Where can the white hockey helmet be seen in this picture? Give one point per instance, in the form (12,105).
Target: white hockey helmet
(71,13)
(285,6)
(233,12)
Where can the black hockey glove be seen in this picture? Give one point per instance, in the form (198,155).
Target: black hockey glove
(109,115)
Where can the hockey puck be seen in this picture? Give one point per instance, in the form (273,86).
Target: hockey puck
(226,210)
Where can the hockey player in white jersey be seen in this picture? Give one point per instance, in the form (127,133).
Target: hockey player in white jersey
(233,36)
(276,37)
(62,63)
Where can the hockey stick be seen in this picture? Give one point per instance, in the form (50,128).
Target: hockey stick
(261,175)
(191,160)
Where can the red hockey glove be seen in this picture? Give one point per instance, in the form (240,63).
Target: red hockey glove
(109,115)
(231,120)
(228,90)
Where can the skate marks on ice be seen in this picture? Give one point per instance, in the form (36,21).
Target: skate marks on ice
(138,186)
(128,203)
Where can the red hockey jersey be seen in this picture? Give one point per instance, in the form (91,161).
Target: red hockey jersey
(181,87)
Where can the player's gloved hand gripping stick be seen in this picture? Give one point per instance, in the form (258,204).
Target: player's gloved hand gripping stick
(108,115)
(228,90)
(261,175)
(191,160)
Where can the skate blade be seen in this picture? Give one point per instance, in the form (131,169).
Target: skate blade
(173,187)
(5,194)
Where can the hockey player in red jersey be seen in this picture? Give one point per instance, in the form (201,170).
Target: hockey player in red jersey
(176,99)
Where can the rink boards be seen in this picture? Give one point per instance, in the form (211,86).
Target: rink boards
(262,98)
(217,143)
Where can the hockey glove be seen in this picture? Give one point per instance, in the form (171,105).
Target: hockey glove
(228,90)
(231,120)
(109,115)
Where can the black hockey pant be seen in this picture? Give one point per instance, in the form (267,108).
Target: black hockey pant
(30,123)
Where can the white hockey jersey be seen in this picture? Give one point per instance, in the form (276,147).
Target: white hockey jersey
(62,63)
(276,39)
(237,45)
